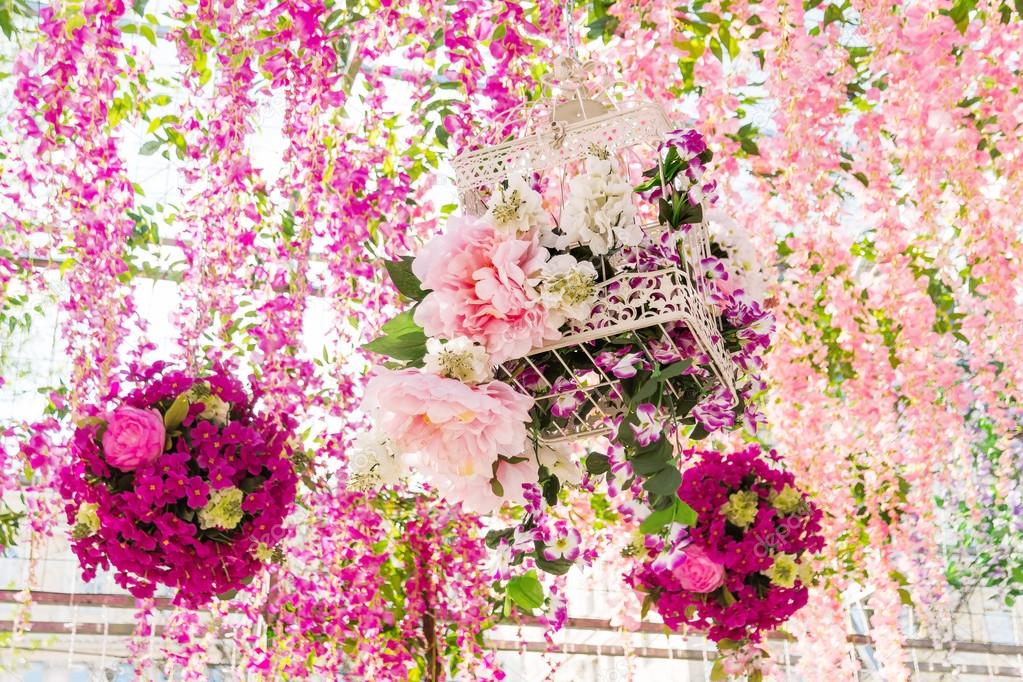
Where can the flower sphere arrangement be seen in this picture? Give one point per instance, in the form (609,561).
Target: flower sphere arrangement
(733,556)
(183,484)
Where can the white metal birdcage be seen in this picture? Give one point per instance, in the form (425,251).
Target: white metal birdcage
(557,135)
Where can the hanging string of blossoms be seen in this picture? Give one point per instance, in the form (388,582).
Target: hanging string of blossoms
(919,156)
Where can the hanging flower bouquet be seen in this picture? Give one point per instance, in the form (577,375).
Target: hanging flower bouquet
(733,557)
(183,484)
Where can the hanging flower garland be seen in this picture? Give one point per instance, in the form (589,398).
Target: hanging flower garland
(182,484)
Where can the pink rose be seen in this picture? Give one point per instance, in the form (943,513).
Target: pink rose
(697,572)
(133,437)
(451,430)
(482,286)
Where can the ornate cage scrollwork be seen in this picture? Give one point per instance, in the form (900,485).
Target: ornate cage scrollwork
(655,307)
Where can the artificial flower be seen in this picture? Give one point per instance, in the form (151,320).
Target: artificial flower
(688,143)
(696,571)
(716,410)
(517,209)
(599,212)
(805,572)
(86,520)
(452,430)
(568,289)
(557,459)
(741,508)
(458,358)
(628,365)
(788,501)
(483,493)
(482,285)
(566,397)
(223,510)
(373,462)
(134,437)
(215,408)
(783,571)
(648,427)
(565,545)
(170,515)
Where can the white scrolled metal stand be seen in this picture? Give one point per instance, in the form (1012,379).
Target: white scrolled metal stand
(574,122)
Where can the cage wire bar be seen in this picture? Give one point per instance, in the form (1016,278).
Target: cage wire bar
(558,133)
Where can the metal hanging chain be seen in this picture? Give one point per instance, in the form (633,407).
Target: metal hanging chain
(568,19)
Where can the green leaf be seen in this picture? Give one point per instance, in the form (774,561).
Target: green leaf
(442,135)
(679,512)
(495,537)
(648,601)
(526,591)
(672,371)
(410,347)
(685,514)
(649,463)
(832,13)
(717,672)
(905,597)
(176,413)
(6,25)
(556,567)
(657,521)
(597,463)
(646,390)
(698,432)
(401,325)
(664,482)
(148,34)
(715,49)
(150,148)
(404,280)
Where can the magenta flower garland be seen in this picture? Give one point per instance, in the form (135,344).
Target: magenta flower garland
(183,484)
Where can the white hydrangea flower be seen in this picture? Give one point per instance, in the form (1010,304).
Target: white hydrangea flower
(557,457)
(518,208)
(223,509)
(216,409)
(263,552)
(458,358)
(568,288)
(373,462)
(86,520)
(599,212)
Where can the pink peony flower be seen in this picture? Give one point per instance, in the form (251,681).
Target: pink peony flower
(476,493)
(133,437)
(697,572)
(513,476)
(453,430)
(482,286)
